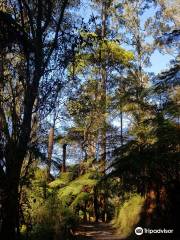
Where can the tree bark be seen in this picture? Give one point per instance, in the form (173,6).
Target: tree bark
(10,203)
(64,158)
(85,212)
(15,151)
(103,93)
(10,214)
(50,149)
(16,146)
(104,107)
(96,212)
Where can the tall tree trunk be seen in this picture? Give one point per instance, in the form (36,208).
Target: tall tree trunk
(64,158)
(121,119)
(151,203)
(15,151)
(9,178)
(85,211)
(16,146)
(50,149)
(10,213)
(104,107)
(103,93)
(96,207)
(10,203)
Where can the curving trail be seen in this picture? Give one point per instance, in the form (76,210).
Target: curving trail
(96,231)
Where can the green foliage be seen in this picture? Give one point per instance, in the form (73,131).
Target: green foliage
(99,81)
(80,199)
(94,52)
(112,52)
(64,179)
(77,190)
(44,211)
(128,215)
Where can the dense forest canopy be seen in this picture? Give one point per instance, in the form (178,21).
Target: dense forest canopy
(89,130)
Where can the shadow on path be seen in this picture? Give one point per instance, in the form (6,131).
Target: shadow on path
(96,231)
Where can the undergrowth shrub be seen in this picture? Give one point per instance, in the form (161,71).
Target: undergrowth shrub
(128,215)
(45,213)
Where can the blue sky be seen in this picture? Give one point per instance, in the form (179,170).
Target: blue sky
(159,60)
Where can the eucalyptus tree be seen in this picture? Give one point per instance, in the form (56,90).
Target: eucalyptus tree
(151,149)
(95,67)
(31,35)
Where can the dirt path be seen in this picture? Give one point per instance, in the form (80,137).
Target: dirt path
(96,231)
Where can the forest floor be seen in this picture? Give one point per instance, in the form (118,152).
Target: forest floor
(96,231)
